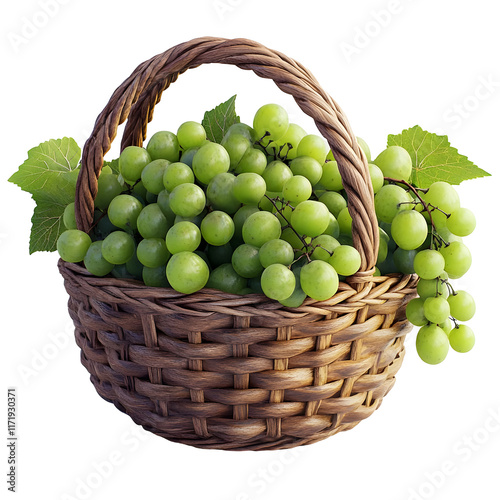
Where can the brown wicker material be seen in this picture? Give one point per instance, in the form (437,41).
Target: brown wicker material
(215,370)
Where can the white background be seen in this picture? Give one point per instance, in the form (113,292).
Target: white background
(422,62)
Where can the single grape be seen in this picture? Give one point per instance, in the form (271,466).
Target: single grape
(364,146)
(246,262)
(164,145)
(432,344)
(429,264)
(118,247)
(187,200)
(236,145)
(120,272)
(462,339)
(376,176)
(461,222)
(446,325)
(345,221)
(95,262)
(297,189)
(132,161)
(183,237)
(330,178)
(288,144)
(226,279)
(441,195)
(218,255)
(319,280)
(211,159)
(187,157)
(389,201)
(249,188)
(152,252)
(217,228)
(346,260)
(276,251)
(383,247)
(187,272)
(253,160)
(191,135)
(395,162)
(270,121)
(69,219)
(462,305)
(220,193)
(409,229)
(176,174)
(243,129)
(108,188)
(335,202)
(163,202)
(325,245)
(310,218)
(415,312)
(457,259)
(152,175)
(155,276)
(278,282)
(307,166)
(290,236)
(404,260)
(433,287)
(333,228)
(314,146)
(298,295)
(151,222)
(275,175)
(260,227)
(72,245)
(103,227)
(239,219)
(436,309)
(124,210)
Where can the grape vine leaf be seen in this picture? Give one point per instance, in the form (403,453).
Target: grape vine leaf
(434,159)
(49,174)
(219,119)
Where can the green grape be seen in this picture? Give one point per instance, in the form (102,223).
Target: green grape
(226,279)
(275,175)
(106,169)
(246,262)
(72,245)
(191,135)
(308,167)
(330,177)
(183,237)
(376,176)
(108,188)
(196,220)
(239,219)
(298,295)
(103,228)
(446,326)
(270,120)
(176,174)
(134,266)
(187,200)
(269,201)
(253,160)
(388,266)
(297,189)
(69,218)
(152,175)
(288,143)
(409,229)
(325,246)
(260,227)
(319,280)
(151,198)
(276,251)
(310,218)
(289,235)
(436,309)
(164,145)
(151,222)
(345,221)
(132,161)
(389,201)
(163,202)
(443,196)
(404,260)
(333,228)
(249,188)
(95,262)
(120,272)
(335,202)
(415,312)
(432,344)
(243,129)
(187,157)
(187,272)
(218,255)
(278,282)
(461,222)
(462,339)
(155,276)
(220,193)
(429,264)
(447,235)
(364,146)
(346,260)
(255,286)
(383,247)
(152,252)
(395,162)
(118,247)
(217,228)
(124,210)
(433,287)
(314,146)
(236,145)
(457,259)
(211,159)
(462,305)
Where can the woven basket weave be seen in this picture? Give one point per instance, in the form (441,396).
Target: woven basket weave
(215,370)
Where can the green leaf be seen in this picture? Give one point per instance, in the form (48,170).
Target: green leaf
(434,159)
(219,119)
(114,165)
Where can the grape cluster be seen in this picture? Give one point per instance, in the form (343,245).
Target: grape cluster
(262,212)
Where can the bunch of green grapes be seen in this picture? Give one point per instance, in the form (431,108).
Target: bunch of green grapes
(264,211)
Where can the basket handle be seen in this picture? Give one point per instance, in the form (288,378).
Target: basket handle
(136,98)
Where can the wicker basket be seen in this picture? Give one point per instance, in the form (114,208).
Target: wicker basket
(215,370)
